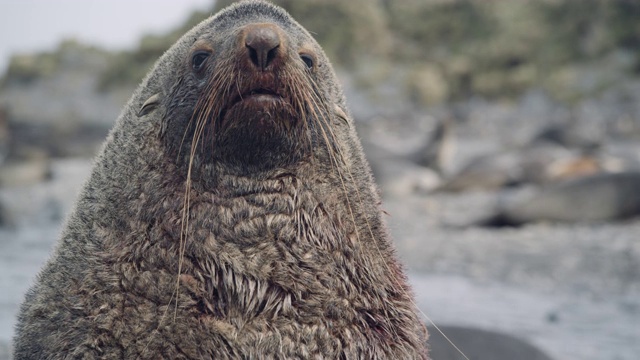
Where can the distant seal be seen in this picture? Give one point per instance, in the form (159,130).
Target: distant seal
(600,197)
(230,214)
(535,163)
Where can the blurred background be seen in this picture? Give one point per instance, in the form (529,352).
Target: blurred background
(505,137)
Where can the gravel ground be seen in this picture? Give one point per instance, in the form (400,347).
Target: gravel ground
(570,290)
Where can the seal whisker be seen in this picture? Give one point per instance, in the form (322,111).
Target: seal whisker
(395,281)
(200,126)
(353,220)
(200,102)
(299,102)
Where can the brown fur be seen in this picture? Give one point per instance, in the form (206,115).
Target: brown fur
(214,230)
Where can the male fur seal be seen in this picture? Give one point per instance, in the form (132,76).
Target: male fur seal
(230,214)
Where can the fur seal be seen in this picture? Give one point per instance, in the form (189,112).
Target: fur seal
(532,164)
(594,198)
(230,214)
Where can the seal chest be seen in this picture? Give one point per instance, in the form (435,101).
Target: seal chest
(230,214)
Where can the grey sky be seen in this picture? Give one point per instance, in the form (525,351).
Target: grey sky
(36,25)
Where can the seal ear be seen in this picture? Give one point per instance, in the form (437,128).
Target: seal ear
(341,114)
(149,105)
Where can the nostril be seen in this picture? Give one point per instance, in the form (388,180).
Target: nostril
(262,42)
(253,55)
(259,59)
(272,54)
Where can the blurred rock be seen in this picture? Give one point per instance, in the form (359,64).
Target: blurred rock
(66,95)
(55,140)
(51,104)
(5,351)
(45,202)
(566,136)
(426,84)
(479,344)
(397,176)
(24,173)
(5,134)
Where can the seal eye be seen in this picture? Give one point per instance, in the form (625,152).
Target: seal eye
(199,59)
(308,60)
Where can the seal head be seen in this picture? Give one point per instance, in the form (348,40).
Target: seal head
(251,95)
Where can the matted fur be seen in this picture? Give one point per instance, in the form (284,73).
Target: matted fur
(197,237)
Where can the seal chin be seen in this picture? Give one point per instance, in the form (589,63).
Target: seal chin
(262,110)
(259,132)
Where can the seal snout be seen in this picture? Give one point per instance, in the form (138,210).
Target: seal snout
(263,44)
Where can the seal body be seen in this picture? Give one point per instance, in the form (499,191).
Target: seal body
(595,198)
(230,214)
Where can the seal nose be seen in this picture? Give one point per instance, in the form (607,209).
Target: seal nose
(263,42)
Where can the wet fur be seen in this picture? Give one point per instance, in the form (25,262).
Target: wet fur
(183,246)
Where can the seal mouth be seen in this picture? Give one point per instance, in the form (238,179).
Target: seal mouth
(259,100)
(256,95)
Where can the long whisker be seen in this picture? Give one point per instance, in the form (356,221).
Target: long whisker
(338,155)
(333,150)
(207,102)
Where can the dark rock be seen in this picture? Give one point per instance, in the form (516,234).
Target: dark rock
(479,344)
